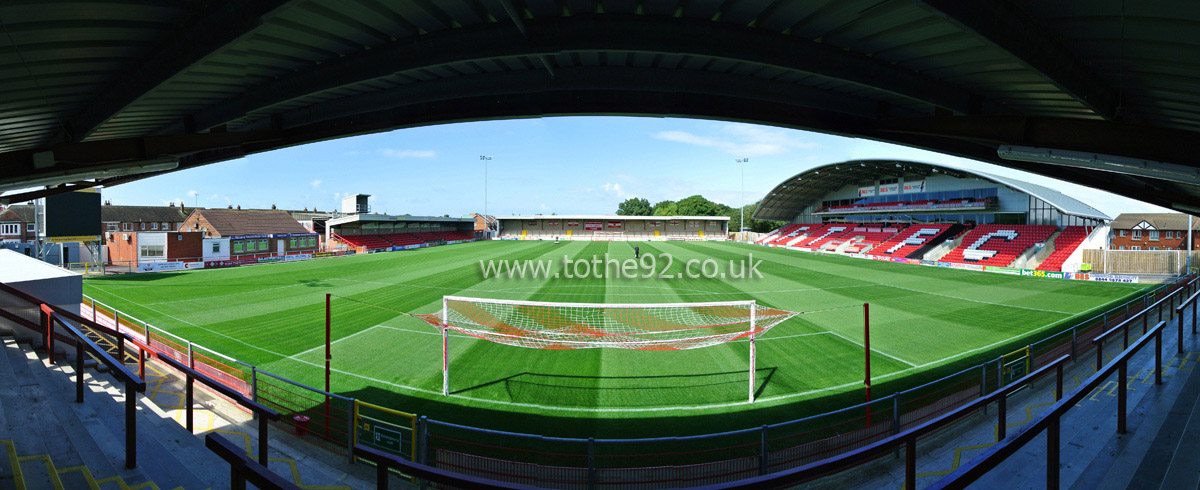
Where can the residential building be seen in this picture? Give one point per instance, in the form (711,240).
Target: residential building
(1153,231)
(253,232)
(17,224)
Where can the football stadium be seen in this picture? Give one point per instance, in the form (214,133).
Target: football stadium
(889,316)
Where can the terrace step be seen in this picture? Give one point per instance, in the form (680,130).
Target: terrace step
(68,445)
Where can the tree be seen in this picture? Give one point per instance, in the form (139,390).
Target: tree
(666,208)
(759,226)
(697,206)
(635,206)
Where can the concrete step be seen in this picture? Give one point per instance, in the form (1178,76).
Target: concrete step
(91,434)
(22,399)
(166,452)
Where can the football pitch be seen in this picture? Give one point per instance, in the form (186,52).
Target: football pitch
(925,322)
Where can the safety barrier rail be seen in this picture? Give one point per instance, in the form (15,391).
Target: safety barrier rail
(1167,301)
(261,413)
(243,469)
(1049,420)
(50,314)
(133,383)
(1193,300)
(727,456)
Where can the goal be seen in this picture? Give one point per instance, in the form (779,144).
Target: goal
(640,326)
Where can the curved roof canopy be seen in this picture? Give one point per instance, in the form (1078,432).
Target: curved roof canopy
(791,196)
(107,91)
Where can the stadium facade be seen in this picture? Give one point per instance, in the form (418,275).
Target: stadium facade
(905,210)
(613,228)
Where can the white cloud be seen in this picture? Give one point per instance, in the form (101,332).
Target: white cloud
(614,189)
(388,152)
(193,193)
(316,183)
(743,140)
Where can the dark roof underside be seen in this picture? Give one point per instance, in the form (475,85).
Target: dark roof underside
(107,91)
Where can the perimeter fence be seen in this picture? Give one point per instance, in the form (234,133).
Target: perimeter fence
(330,421)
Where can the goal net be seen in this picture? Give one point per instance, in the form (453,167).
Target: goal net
(641,326)
(543,325)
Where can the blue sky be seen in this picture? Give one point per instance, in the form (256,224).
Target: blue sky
(564,165)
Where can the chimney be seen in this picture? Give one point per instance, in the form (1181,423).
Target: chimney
(107,202)
(231,206)
(272,207)
(171,204)
(239,207)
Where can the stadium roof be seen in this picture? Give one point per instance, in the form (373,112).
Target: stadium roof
(613,217)
(109,91)
(350,218)
(791,196)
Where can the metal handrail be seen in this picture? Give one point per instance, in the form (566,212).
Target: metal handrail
(118,368)
(385,462)
(1049,420)
(906,438)
(262,412)
(244,469)
(1144,315)
(133,383)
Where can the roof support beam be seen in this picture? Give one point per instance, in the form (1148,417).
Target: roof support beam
(1020,35)
(1094,136)
(207,34)
(592,33)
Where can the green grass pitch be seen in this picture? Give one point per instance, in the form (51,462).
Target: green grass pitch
(925,321)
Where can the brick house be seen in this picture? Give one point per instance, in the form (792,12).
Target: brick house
(253,232)
(119,222)
(17,224)
(142,218)
(1153,231)
(135,248)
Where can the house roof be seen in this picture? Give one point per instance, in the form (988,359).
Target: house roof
(141,214)
(1160,221)
(230,222)
(24,212)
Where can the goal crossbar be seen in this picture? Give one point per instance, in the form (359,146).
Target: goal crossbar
(638,326)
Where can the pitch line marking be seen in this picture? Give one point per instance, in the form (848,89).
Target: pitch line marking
(293,356)
(587,409)
(876,351)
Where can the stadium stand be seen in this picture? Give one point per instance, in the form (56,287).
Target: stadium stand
(998,245)
(913,206)
(910,240)
(866,239)
(786,233)
(1064,245)
(801,232)
(402,239)
(821,235)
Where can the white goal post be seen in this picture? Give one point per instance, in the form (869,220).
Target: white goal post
(640,326)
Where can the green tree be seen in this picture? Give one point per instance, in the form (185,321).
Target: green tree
(697,206)
(635,206)
(666,208)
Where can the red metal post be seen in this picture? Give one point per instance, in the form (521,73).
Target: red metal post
(328,357)
(867,354)
(48,317)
